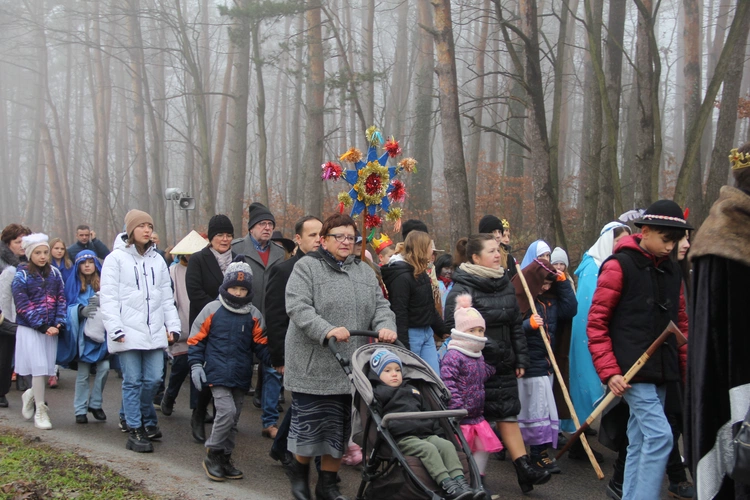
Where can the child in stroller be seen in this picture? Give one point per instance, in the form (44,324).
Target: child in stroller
(421,437)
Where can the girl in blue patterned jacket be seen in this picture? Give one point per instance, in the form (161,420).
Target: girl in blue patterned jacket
(41,309)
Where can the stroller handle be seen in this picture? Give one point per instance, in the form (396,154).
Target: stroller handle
(344,362)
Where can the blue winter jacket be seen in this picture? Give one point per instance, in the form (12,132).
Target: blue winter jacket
(225,341)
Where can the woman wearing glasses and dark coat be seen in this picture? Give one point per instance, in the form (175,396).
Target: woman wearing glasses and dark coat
(328,294)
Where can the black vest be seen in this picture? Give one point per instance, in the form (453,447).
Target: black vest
(650,299)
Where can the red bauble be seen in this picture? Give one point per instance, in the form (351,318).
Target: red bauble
(372,221)
(373,184)
(398,193)
(392,147)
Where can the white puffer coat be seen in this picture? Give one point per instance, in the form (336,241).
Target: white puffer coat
(136,298)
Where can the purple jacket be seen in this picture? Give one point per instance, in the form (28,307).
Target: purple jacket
(465,376)
(40,302)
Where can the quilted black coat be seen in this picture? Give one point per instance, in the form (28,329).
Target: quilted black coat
(506,348)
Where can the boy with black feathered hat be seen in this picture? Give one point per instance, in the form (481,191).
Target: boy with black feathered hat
(639,291)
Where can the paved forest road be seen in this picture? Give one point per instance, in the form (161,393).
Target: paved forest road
(174,469)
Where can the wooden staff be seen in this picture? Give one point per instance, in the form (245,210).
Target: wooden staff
(559,376)
(364,239)
(670,330)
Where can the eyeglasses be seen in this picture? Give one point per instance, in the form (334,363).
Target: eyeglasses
(342,238)
(265,223)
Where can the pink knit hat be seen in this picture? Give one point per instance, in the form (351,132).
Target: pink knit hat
(465,316)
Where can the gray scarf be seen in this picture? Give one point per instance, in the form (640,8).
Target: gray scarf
(224,259)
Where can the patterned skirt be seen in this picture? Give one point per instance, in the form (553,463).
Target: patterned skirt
(321,425)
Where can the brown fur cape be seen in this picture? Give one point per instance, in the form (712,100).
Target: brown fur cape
(726,231)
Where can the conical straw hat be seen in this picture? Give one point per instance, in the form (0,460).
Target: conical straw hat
(190,244)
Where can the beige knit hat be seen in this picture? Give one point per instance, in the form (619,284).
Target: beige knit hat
(135,218)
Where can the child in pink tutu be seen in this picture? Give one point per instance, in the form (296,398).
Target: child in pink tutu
(464,372)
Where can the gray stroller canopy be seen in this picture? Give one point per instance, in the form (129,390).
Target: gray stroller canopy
(414,368)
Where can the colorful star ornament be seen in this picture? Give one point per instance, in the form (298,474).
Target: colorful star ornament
(374,185)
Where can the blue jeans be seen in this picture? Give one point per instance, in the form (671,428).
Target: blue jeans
(422,343)
(270,395)
(141,375)
(650,441)
(86,398)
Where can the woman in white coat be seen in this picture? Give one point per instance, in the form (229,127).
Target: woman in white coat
(141,320)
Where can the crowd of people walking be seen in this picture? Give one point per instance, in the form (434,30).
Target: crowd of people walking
(494,330)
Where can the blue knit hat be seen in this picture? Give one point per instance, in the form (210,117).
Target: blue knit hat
(382,358)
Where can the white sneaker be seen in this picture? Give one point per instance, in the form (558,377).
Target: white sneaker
(41,418)
(28,404)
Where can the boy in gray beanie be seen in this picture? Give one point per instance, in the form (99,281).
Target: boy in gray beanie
(224,337)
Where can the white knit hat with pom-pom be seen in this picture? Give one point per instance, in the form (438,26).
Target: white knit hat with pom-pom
(465,316)
(30,242)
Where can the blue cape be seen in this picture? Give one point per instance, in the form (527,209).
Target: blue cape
(74,344)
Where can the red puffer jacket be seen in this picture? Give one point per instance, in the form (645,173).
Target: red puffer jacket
(606,298)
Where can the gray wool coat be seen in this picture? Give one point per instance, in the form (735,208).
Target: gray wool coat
(245,247)
(321,296)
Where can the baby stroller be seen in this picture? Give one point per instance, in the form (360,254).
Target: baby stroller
(386,472)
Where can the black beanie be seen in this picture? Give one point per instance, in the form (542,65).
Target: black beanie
(219,224)
(490,223)
(258,212)
(413,225)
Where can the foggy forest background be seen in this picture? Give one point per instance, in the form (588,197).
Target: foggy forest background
(558,115)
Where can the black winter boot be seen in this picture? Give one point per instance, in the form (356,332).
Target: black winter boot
(197,425)
(327,487)
(213,464)
(299,477)
(528,476)
(478,494)
(138,441)
(167,405)
(230,471)
(455,490)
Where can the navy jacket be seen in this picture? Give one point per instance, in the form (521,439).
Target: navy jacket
(225,341)
(96,246)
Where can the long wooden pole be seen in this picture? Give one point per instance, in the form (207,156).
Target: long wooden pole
(670,330)
(364,238)
(559,376)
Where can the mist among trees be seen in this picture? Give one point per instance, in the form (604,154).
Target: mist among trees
(557,115)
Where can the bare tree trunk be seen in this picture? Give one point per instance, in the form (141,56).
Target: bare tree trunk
(725,129)
(693,89)
(240,36)
(420,200)
(398,104)
(645,132)
(696,128)
(221,123)
(315,129)
(369,69)
(608,208)
(295,125)
(260,113)
(139,117)
(476,136)
(454,168)
(198,81)
(557,99)
(593,100)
